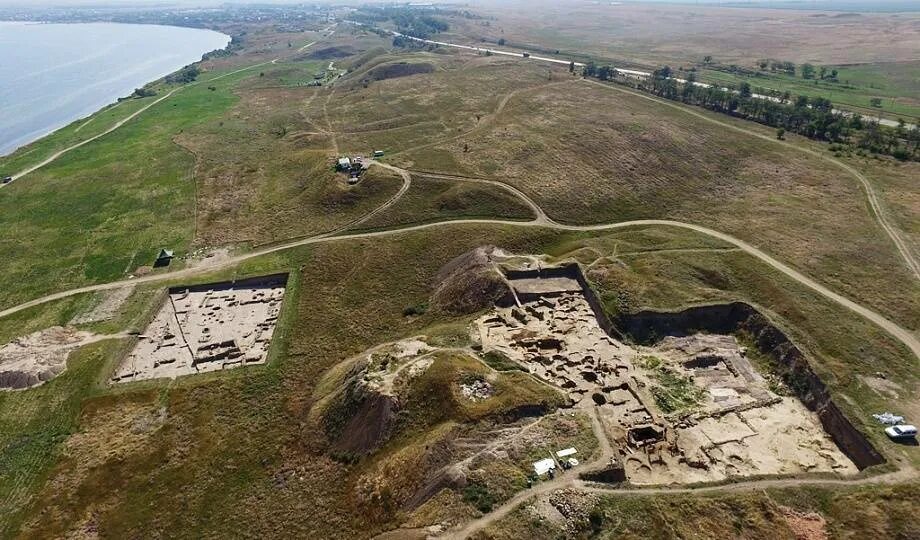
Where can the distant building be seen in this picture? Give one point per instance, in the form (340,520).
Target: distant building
(344,164)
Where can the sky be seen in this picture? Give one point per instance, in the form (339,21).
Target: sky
(843,5)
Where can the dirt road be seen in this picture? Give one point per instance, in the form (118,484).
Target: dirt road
(53,157)
(901,334)
(472,527)
(874,203)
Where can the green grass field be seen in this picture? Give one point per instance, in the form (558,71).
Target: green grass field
(72,133)
(895,84)
(105,209)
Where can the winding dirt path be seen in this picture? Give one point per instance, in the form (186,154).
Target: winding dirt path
(539,214)
(55,156)
(485,120)
(875,203)
(904,336)
(472,527)
(123,121)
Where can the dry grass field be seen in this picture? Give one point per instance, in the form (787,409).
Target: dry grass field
(240,453)
(779,514)
(265,172)
(433,199)
(656,34)
(402,112)
(590,154)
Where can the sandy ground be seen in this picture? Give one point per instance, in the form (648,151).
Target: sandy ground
(41,356)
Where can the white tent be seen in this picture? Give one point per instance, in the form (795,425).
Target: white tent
(544,466)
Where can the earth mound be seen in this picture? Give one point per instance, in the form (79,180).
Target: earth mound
(469,283)
(360,418)
(402,69)
(330,53)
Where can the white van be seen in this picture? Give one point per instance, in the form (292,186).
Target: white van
(901,432)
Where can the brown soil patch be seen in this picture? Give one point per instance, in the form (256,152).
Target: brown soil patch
(469,283)
(805,526)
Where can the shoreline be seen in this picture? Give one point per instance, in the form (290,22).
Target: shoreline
(93,109)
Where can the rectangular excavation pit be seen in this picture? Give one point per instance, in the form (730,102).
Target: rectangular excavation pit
(207,327)
(735,425)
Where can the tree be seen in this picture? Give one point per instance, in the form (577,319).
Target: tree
(745,90)
(808,71)
(502,42)
(781,134)
(572,67)
(822,73)
(876,102)
(662,73)
(707,59)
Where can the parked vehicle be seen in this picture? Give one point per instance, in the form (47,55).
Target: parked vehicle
(901,432)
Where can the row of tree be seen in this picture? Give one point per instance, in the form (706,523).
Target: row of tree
(808,71)
(812,117)
(412,22)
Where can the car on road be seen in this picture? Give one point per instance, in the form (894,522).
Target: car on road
(901,432)
(7,179)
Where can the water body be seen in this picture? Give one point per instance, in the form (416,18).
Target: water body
(53,74)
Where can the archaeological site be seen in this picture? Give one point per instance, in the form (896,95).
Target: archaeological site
(679,403)
(207,328)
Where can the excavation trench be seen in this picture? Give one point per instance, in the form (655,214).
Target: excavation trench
(649,327)
(652,329)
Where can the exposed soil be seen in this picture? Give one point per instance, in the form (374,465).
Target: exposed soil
(207,328)
(805,526)
(469,283)
(691,408)
(794,368)
(41,356)
(107,307)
